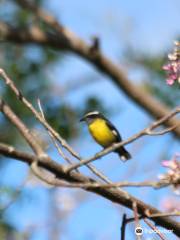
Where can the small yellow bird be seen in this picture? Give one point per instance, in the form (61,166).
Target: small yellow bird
(104,133)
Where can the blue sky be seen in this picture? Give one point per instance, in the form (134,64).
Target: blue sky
(148,26)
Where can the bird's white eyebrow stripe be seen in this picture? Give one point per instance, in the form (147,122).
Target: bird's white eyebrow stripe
(92,113)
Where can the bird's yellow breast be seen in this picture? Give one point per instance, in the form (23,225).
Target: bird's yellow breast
(101,132)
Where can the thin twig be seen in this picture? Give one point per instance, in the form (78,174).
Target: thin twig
(145,131)
(19,95)
(164,131)
(123,227)
(55,134)
(151,216)
(155,229)
(52,137)
(136,219)
(158,184)
(92,168)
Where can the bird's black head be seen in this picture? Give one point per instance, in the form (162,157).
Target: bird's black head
(91,116)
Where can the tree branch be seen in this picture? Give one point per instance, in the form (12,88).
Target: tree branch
(67,40)
(64,39)
(154,228)
(116,196)
(40,118)
(146,131)
(123,227)
(52,137)
(4,108)
(136,219)
(60,183)
(151,216)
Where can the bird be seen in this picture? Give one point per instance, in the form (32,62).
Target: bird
(104,132)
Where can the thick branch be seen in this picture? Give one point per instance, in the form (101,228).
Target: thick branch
(66,40)
(111,194)
(4,108)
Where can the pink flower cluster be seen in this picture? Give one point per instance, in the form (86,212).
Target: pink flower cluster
(173,173)
(170,204)
(173,66)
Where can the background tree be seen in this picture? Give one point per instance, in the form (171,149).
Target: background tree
(42,67)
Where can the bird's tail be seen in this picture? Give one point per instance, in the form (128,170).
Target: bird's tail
(123,153)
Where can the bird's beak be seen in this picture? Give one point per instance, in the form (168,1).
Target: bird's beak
(82,119)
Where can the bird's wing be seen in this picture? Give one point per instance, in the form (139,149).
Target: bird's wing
(114,130)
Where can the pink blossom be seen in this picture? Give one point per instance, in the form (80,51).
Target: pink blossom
(172,164)
(170,204)
(170,81)
(173,67)
(173,173)
(166,67)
